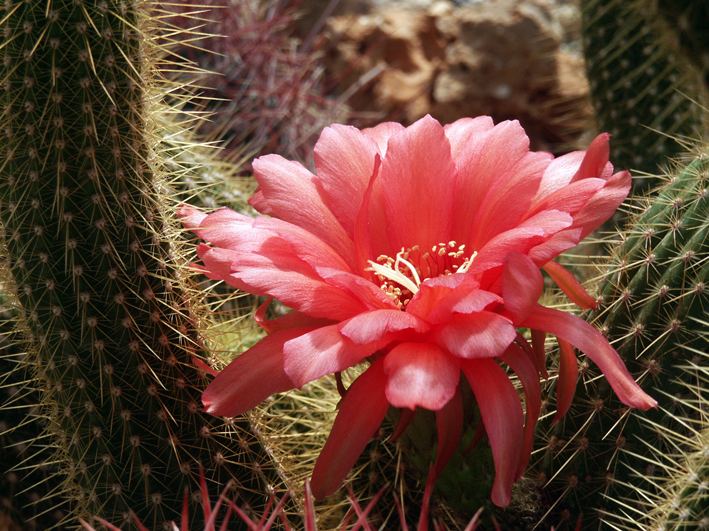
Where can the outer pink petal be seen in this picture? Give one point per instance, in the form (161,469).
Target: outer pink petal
(293,319)
(382,133)
(522,285)
(291,193)
(502,415)
(577,166)
(602,205)
(252,377)
(554,246)
(306,246)
(223,228)
(374,325)
(526,236)
(520,363)
(371,296)
(595,162)
(570,198)
(486,157)
(420,375)
(449,421)
(323,351)
(559,174)
(284,277)
(476,335)
(190,216)
(460,133)
(361,413)
(217,264)
(509,198)
(590,341)
(344,159)
(418,159)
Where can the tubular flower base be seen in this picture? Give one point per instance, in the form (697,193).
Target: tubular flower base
(418,249)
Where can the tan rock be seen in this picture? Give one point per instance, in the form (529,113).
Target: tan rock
(498,57)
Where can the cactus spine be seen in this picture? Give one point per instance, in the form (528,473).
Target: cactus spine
(93,255)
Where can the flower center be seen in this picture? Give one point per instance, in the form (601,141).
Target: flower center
(401,284)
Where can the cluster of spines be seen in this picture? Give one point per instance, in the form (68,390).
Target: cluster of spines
(93,257)
(653,297)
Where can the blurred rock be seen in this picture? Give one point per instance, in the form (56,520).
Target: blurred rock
(510,59)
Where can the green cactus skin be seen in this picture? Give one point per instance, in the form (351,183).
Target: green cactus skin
(110,331)
(685,24)
(641,87)
(598,459)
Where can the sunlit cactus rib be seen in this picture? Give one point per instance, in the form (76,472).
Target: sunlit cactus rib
(644,90)
(602,458)
(107,316)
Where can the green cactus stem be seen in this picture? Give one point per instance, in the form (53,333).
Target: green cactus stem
(106,313)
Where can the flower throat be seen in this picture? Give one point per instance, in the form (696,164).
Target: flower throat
(401,283)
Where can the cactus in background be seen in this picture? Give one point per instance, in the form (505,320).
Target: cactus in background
(107,316)
(644,90)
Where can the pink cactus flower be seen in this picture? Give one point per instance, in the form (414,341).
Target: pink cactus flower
(419,250)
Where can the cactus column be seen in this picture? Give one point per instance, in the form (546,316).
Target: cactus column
(93,258)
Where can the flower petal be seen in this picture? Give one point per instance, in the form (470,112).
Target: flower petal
(413,156)
(570,285)
(190,216)
(309,248)
(522,285)
(487,156)
(252,377)
(502,415)
(420,375)
(523,238)
(381,134)
(293,319)
(520,363)
(449,421)
(595,160)
(509,198)
(217,264)
(370,296)
(461,132)
(344,159)
(590,341)
(538,355)
(281,275)
(476,335)
(361,413)
(374,325)
(291,193)
(568,374)
(323,351)
(603,204)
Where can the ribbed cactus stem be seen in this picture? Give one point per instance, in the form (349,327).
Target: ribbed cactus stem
(95,263)
(605,460)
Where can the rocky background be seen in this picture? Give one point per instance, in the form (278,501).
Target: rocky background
(400,60)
